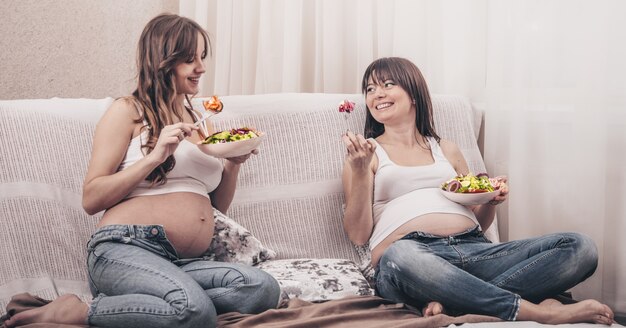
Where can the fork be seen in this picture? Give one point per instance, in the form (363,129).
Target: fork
(204,116)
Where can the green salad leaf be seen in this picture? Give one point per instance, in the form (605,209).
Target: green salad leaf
(469,184)
(231,135)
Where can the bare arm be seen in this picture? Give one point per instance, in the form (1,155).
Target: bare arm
(104,186)
(222,196)
(358,186)
(485,214)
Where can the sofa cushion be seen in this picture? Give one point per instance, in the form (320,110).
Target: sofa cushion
(317,280)
(234,243)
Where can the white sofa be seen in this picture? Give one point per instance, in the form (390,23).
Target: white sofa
(289,196)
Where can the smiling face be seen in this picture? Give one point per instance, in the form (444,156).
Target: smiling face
(396,93)
(187,72)
(387,101)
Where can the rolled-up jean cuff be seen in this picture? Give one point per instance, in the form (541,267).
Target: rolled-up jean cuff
(92,307)
(515,312)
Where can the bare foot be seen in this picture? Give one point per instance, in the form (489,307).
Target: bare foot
(433,308)
(550,302)
(552,313)
(585,311)
(66,309)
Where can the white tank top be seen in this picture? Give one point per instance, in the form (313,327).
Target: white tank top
(402,193)
(194,171)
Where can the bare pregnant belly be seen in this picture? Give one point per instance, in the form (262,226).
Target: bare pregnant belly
(187,219)
(438,224)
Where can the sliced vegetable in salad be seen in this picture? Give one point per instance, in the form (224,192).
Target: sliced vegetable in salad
(471,184)
(231,135)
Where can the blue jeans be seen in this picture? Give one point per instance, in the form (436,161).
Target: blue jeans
(469,274)
(138,280)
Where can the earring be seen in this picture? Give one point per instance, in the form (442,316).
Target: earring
(413,101)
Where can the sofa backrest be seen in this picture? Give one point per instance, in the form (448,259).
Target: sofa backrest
(45,145)
(289,196)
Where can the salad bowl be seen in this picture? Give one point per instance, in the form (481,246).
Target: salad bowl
(232,148)
(471,189)
(470,198)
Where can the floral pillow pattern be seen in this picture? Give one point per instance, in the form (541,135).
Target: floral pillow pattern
(316,280)
(366,267)
(234,243)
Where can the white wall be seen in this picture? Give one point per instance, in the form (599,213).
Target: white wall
(72,48)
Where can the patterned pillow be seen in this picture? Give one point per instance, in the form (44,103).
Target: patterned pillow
(316,280)
(365,265)
(234,243)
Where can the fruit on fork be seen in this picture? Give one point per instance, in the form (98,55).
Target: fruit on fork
(214,104)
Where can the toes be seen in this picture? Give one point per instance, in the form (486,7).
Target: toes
(608,312)
(433,308)
(603,319)
(437,308)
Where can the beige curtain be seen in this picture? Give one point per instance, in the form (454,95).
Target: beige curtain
(556,124)
(550,75)
(325,45)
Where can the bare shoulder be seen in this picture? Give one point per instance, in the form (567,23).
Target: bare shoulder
(122,116)
(454,155)
(126,107)
(449,148)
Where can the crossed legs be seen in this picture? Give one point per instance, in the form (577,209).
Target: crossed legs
(473,276)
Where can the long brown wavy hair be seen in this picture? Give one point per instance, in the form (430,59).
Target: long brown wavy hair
(405,74)
(166,41)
